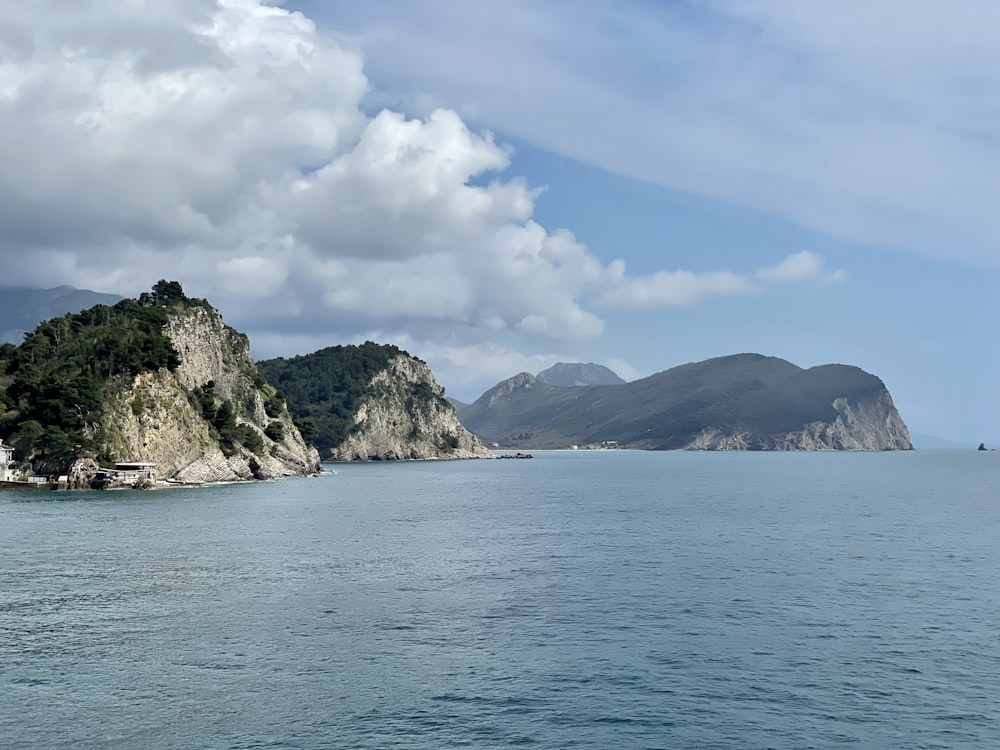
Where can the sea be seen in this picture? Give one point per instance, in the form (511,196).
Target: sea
(590,599)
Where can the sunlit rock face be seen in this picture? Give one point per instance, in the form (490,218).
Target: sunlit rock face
(407,417)
(156,419)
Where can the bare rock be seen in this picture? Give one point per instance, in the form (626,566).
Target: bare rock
(407,417)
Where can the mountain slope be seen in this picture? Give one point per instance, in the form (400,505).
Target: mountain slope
(372,402)
(745,401)
(578,374)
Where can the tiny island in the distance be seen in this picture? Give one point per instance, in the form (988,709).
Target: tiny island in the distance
(159,391)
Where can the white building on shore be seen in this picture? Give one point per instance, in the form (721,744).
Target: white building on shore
(7,473)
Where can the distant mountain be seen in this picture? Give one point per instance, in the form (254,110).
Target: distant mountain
(456,403)
(22,309)
(741,402)
(578,374)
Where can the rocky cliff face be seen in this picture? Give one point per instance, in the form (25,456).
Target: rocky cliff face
(860,425)
(407,417)
(157,419)
(502,392)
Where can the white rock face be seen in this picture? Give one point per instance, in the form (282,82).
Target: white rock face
(156,420)
(407,418)
(871,425)
(501,393)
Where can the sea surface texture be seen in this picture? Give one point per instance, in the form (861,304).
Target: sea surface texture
(577,600)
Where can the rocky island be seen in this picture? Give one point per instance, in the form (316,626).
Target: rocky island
(160,381)
(372,403)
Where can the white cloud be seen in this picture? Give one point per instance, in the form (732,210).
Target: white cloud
(223,144)
(868,121)
(251,276)
(482,364)
(623,369)
(669,288)
(801,266)
(685,287)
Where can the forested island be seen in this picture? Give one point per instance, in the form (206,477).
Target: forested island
(371,402)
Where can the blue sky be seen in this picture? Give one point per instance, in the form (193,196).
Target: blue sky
(916,311)
(499,186)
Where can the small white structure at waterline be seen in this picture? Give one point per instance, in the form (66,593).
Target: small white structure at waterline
(7,473)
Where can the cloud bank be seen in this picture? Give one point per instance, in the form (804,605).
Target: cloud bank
(224,144)
(866,121)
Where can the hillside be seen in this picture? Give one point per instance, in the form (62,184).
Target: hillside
(22,309)
(160,379)
(371,402)
(743,402)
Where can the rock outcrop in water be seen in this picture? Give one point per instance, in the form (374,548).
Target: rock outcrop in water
(407,417)
(373,403)
(743,402)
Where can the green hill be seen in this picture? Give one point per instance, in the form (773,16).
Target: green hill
(159,379)
(22,309)
(58,378)
(371,403)
(324,389)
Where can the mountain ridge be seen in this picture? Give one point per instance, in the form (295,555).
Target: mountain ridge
(740,402)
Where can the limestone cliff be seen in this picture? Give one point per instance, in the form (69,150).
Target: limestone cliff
(406,416)
(160,416)
(859,426)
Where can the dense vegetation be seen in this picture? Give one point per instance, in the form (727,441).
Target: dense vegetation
(23,309)
(324,389)
(223,427)
(55,381)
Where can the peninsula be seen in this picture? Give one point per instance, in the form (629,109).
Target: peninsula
(739,402)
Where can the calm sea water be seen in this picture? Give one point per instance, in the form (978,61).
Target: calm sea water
(579,600)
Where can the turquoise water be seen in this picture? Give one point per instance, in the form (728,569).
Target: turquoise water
(579,600)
